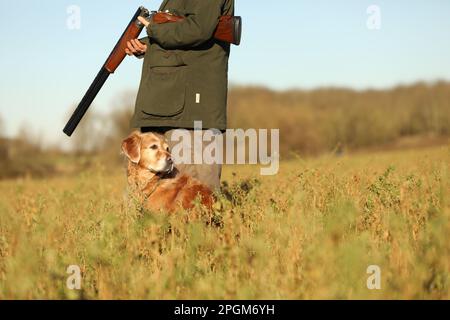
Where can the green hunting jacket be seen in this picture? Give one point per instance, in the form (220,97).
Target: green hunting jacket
(185,71)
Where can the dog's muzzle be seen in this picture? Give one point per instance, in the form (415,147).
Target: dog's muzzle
(168,171)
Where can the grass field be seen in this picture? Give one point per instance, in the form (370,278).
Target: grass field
(308,233)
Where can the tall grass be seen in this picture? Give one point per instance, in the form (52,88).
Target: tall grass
(310,232)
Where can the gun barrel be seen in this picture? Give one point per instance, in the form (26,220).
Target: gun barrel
(86,101)
(116,57)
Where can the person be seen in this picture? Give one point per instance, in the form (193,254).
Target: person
(184,78)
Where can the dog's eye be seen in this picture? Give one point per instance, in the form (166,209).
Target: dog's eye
(167,149)
(154,147)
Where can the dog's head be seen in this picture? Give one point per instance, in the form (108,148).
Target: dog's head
(149,150)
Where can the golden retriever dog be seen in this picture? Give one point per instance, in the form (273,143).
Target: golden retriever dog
(155,181)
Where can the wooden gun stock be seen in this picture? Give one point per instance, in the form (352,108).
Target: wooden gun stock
(228,29)
(119,54)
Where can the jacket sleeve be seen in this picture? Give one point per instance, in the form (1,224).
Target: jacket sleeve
(145,41)
(197,28)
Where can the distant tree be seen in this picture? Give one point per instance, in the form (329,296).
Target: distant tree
(122,114)
(2,127)
(102,133)
(119,119)
(3,144)
(28,142)
(89,137)
(121,122)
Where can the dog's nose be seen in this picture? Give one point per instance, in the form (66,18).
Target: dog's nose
(169,158)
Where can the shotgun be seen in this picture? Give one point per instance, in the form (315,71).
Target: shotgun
(228,30)
(116,57)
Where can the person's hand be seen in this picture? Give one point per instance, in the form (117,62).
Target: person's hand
(135,47)
(144,21)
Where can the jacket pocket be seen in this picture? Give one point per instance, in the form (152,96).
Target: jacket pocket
(166,91)
(158,57)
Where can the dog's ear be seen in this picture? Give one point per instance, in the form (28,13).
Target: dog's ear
(131,147)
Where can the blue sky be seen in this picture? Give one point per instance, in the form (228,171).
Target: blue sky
(46,68)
